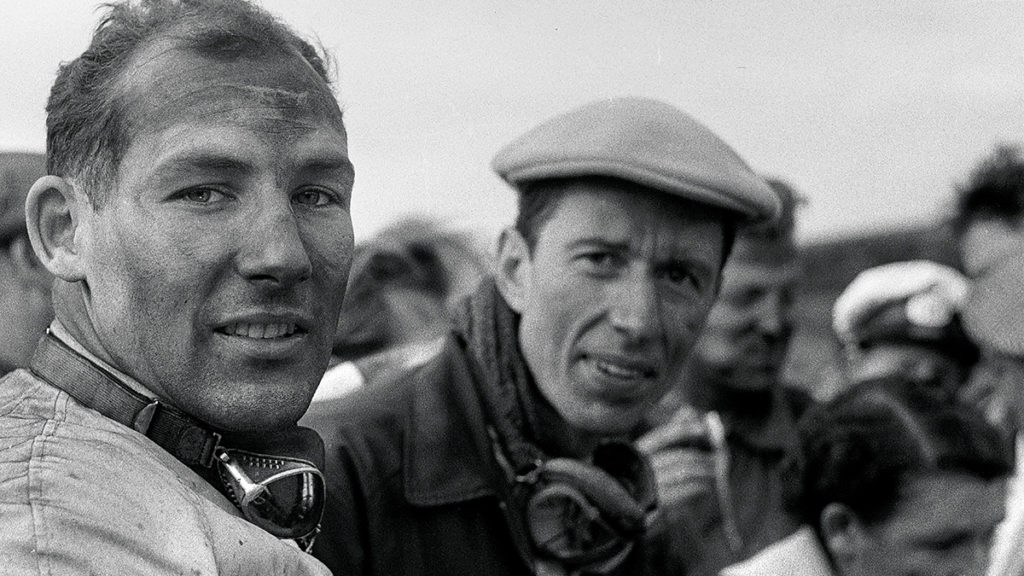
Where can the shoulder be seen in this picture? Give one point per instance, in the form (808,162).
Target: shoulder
(83,494)
(383,409)
(796,555)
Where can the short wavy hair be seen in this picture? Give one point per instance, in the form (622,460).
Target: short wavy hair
(859,448)
(994,190)
(87,131)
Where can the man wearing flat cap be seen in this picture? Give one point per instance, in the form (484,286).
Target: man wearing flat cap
(25,307)
(508,452)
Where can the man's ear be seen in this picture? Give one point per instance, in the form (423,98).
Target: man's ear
(512,274)
(54,213)
(842,532)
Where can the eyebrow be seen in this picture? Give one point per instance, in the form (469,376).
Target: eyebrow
(203,161)
(219,162)
(337,164)
(613,246)
(624,246)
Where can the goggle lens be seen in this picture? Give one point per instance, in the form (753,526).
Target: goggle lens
(283,496)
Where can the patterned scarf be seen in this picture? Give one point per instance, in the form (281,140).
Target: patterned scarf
(488,328)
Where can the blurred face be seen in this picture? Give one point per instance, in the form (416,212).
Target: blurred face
(218,263)
(613,296)
(747,334)
(998,377)
(942,526)
(986,242)
(919,363)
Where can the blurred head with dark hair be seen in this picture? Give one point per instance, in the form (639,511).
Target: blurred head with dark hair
(990,210)
(741,351)
(405,282)
(899,480)
(25,307)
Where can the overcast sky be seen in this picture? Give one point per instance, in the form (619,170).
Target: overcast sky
(872,109)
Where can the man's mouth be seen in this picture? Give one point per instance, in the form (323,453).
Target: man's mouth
(622,370)
(259,331)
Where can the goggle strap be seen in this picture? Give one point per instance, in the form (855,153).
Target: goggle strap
(96,388)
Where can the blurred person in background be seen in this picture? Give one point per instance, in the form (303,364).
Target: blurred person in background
(893,479)
(905,318)
(989,219)
(724,432)
(989,227)
(405,285)
(994,317)
(25,307)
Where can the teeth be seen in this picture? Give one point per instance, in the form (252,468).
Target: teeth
(619,371)
(260,331)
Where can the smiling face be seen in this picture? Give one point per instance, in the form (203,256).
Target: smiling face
(611,299)
(217,264)
(942,526)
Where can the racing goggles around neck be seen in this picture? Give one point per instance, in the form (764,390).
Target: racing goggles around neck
(273,478)
(283,495)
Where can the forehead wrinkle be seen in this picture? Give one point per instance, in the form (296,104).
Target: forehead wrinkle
(166,83)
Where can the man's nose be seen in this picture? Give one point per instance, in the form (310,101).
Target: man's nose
(634,308)
(274,253)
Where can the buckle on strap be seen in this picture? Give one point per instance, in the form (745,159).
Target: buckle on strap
(96,388)
(200,445)
(144,417)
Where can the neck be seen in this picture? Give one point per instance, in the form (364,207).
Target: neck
(706,391)
(553,434)
(71,309)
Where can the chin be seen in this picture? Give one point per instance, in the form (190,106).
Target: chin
(262,422)
(259,412)
(609,423)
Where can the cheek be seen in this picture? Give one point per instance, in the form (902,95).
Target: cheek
(329,248)
(150,271)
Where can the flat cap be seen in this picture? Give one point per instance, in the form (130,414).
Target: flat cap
(643,141)
(18,171)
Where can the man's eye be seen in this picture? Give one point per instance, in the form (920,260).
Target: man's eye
(201,195)
(680,276)
(312,197)
(599,260)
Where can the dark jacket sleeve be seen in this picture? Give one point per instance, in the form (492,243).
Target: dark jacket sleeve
(343,542)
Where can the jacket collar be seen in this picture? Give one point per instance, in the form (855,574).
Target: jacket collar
(800,554)
(449,457)
(775,433)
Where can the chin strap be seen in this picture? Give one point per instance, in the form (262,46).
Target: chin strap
(275,481)
(95,387)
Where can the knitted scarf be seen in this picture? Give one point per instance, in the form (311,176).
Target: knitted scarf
(488,329)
